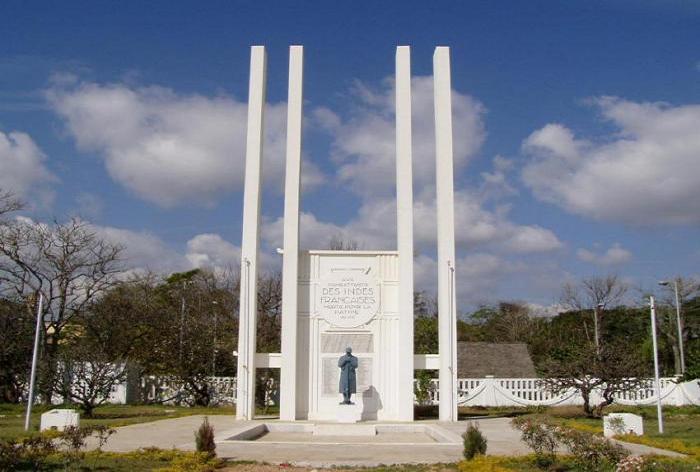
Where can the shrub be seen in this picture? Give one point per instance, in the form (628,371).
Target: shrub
(204,438)
(540,436)
(423,387)
(590,452)
(474,442)
(31,452)
(9,454)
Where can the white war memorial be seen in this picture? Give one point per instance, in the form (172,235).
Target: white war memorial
(332,300)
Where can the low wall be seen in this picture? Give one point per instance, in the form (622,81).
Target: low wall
(491,391)
(487,391)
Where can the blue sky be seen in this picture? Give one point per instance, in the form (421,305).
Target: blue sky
(577,130)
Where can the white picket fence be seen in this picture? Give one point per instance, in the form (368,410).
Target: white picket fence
(168,390)
(491,391)
(487,391)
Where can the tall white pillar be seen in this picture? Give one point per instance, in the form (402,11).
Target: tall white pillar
(444,169)
(404,230)
(290,264)
(245,403)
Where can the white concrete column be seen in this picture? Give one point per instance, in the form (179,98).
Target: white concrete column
(444,168)
(247,321)
(290,258)
(404,230)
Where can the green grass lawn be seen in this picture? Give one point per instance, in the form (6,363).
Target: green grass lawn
(681,426)
(12,415)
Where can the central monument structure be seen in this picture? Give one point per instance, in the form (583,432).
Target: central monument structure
(335,299)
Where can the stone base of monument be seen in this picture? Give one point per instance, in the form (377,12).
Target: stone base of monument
(345,430)
(348,413)
(333,433)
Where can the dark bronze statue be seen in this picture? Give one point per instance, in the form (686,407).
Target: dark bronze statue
(348,379)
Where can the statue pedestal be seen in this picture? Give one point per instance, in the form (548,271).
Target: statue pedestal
(349,413)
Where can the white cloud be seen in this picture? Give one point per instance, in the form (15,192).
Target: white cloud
(23,170)
(211,250)
(314,234)
(648,173)
(170,148)
(364,144)
(614,255)
(479,277)
(143,250)
(475,226)
(546,311)
(374,227)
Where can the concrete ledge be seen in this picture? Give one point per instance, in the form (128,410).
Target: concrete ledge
(249,433)
(345,430)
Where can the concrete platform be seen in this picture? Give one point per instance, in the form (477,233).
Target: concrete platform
(283,444)
(344,430)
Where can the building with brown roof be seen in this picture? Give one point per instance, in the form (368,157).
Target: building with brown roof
(504,360)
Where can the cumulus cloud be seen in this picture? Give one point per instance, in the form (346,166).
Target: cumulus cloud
(374,227)
(475,226)
(314,234)
(647,173)
(170,148)
(364,143)
(479,276)
(211,250)
(614,255)
(143,251)
(23,170)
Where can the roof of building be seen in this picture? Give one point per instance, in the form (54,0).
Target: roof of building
(498,359)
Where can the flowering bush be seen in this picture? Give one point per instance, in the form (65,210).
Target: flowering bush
(631,464)
(590,452)
(540,436)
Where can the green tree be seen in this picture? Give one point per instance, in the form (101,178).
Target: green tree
(16,335)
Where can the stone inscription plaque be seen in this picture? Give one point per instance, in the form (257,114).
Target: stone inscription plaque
(336,343)
(331,375)
(348,298)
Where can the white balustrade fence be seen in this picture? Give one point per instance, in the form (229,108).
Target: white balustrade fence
(169,390)
(490,391)
(486,391)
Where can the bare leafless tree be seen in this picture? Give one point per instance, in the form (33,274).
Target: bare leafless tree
(609,370)
(607,291)
(340,243)
(9,203)
(688,288)
(66,262)
(595,294)
(269,312)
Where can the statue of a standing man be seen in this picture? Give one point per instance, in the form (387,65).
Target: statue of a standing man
(348,381)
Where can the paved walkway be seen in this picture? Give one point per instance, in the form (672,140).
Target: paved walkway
(179,433)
